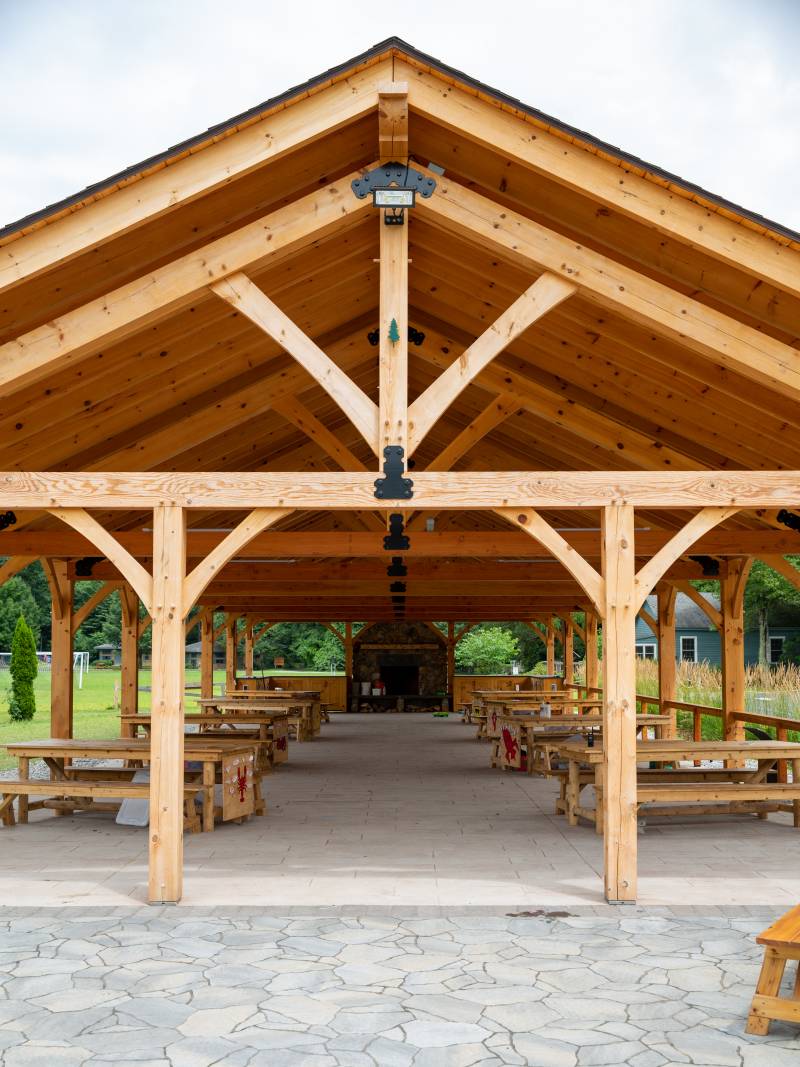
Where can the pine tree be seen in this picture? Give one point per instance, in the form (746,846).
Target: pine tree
(24,668)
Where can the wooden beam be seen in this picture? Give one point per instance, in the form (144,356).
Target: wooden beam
(128,309)
(645,616)
(167,696)
(711,333)
(654,569)
(307,422)
(784,567)
(568,162)
(394,416)
(535,526)
(207,654)
(241,293)
(256,522)
(445,490)
(129,658)
(619,712)
(105,542)
(492,416)
(393,122)
(732,589)
(61,687)
(12,567)
(546,293)
(667,667)
(198,173)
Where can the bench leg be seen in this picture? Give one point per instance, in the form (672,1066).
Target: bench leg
(209,778)
(7,809)
(796,803)
(22,803)
(769,982)
(573,791)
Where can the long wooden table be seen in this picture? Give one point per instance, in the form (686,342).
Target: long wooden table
(304,714)
(234,759)
(268,729)
(538,735)
(699,790)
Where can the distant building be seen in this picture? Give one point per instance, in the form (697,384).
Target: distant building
(696,639)
(108,654)
(193,653)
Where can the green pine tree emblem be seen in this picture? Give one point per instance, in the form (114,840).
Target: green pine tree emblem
(394,333)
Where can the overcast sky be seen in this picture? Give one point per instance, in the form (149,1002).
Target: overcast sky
(708,89)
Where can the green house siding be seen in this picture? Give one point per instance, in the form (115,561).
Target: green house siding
(708,642)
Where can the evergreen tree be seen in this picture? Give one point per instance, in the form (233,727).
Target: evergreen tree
(16,599)
(24,668)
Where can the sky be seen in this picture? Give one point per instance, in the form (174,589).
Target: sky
(707,89)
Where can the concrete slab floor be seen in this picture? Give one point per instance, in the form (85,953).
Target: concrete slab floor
(382,812)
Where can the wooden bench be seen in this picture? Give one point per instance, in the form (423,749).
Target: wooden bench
(69,795)
(781,943)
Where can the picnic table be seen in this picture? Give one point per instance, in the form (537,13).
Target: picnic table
(540,735)
(304,714)
(496,710)
(269,730)
(697,790)
(70,787)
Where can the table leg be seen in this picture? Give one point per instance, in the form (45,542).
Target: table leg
(769,982)
(599,785)
(796,781)
(209,778)
(22,799)
(573,791)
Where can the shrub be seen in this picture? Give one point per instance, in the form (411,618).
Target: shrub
(24,668)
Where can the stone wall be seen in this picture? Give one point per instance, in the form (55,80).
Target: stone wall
(432,661)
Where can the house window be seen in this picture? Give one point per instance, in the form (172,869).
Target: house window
(646,650)
(775,649)
(689,649)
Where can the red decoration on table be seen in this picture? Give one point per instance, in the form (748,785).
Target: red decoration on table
(241,782)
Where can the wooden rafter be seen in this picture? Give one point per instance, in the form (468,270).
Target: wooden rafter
(393,122)
(492,416)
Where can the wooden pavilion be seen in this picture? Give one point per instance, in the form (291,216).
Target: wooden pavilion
(585,371)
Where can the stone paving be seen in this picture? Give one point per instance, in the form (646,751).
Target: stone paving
(241,987)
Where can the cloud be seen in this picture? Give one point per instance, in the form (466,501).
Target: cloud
(708,90)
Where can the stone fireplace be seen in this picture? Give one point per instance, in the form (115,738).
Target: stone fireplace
(409,658)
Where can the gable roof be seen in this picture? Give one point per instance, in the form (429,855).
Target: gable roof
(396,45)
(688,615)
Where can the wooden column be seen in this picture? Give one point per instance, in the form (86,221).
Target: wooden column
(249,646)
(166,752)
(348,664)
(451,663)
(393,321)
(207,655)
(61,593)
(230,653)
(551,646)
(129,697)
(667,664)
(732,586)
(569,640)
(619,710)
(592,664)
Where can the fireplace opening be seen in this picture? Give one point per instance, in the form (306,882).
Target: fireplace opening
(400,680)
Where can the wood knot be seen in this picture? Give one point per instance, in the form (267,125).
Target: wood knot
(522,519)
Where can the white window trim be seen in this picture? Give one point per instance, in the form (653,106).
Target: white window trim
(693,639)
(644,645)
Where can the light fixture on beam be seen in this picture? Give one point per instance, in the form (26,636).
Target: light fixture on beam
(394,188)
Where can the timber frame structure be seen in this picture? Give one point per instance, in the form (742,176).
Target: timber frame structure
(606,391)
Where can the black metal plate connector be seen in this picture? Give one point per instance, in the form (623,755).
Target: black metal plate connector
(397,587)
(415,337)
(393,174)
(709,564)
(788,518)
(85,566)
(396,540)
(396,569)
(7,519)
(393,486)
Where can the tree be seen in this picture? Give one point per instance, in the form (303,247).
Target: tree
(24,668)
(16,599)
(487,650)
(769,597)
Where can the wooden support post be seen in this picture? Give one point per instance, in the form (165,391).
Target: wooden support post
(249,645)
(207,655)
(129,675)
(732,586)
(667,664)
(348,664)
(451,663)
(230,653)
(166,745)
(393,326)
(619,706)
(550,644)
(61,592)
(569,640)
(592,664)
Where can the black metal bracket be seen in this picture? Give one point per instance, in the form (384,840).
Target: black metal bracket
(788,518)
(393,174)
(394,486)
(7,519)
(415,337)
(396,540)
(397,587)
(396,569)
(709,564)
(85,566)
